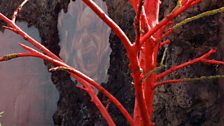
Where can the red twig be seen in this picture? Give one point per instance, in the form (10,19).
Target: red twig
(145,24)
(117,30)
(164,43)
(169,18)
(28,38)
(168,32)
(81,87)
(98,103)
(18,9)
(9,28)
(137,23)
(141,108)
(15,55)
(161,75)
(213,62)
(188,79)
(89,89)
(81,78)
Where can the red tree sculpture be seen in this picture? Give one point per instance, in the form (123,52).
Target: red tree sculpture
(142,55)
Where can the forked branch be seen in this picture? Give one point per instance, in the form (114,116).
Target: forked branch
(176,12)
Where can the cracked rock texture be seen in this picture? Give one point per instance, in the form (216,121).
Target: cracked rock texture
(198,103)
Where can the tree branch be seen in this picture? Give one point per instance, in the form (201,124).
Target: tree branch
(188,79)
(18,9)
(174,68)
(117,30)
(13,27)
(176,12)
(82,77)
(213,62)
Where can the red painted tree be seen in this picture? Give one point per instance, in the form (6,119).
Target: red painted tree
(142,54)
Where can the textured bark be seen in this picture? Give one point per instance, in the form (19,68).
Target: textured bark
(188,104)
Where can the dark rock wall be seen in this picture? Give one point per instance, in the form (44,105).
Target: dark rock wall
(188,104)
(196,103)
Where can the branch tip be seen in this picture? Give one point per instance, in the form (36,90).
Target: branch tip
(18,9)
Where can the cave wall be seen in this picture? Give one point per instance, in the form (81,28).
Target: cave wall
(190,104)
(197,103)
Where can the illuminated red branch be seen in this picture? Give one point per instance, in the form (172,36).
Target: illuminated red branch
(145,26)
(75,73)
(131,52)
(195,2)
(169,18)
(137,23)
(15,55)
(88,88)
(117,30)
(213,62)
(140,106)
(175,68)
(152,11)
(103,110)
(18,10)
(164,43)
(28,38)
(188,79)
(167,33)
(134,4)
(187,20)
(9,28)
(144,21)
(81,77)
(143,106)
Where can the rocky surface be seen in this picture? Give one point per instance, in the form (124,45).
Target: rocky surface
(194,103)
(190,104)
